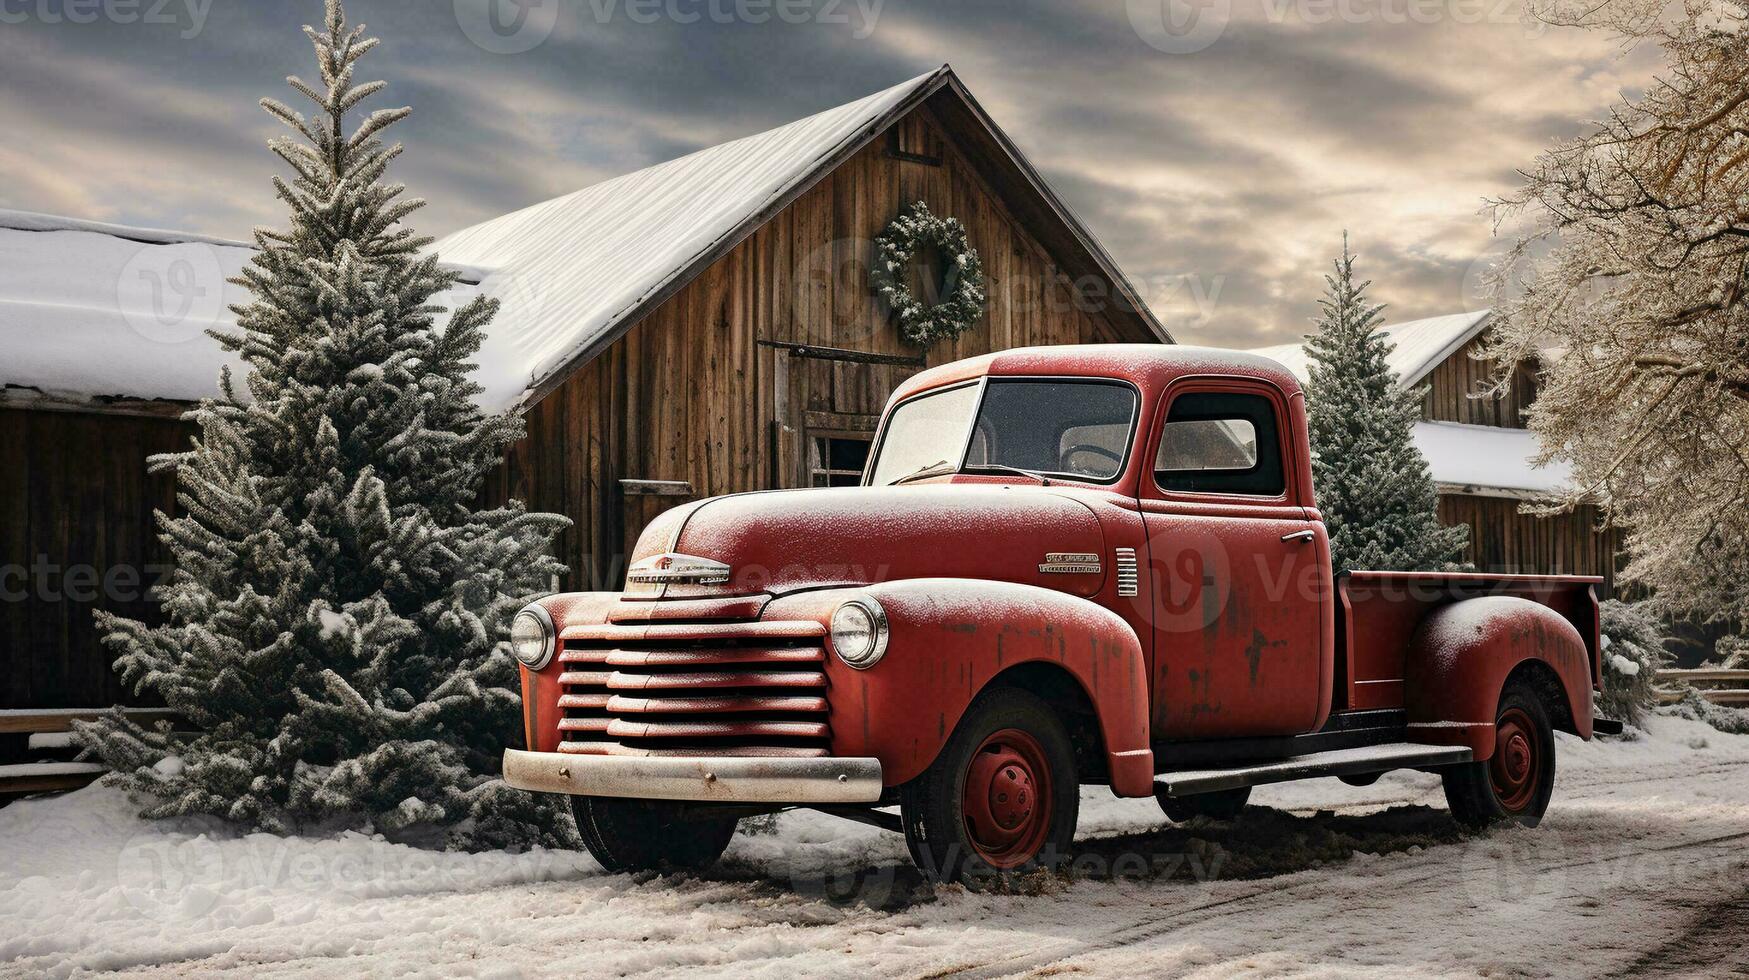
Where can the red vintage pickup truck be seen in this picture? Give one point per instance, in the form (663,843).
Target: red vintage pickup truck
(1066,566)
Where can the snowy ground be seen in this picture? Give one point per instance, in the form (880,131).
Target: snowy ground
(1639,868)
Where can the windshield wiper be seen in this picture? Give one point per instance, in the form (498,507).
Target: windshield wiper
(1005,468)
(940,467)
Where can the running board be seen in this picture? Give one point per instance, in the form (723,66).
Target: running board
(1339,762)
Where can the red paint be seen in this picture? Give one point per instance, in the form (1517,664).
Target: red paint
(1235,631)
(1518,748)
(1457,663)
(1007,799)
(949,639)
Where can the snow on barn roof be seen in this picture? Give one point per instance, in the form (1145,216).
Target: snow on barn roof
(91,311)
(1482,460)
(1417,346)
(1487,460)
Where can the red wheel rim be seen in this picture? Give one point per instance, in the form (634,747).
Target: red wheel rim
(1007,799)
(1516,769)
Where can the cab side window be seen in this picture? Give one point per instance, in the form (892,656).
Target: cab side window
(1220,442)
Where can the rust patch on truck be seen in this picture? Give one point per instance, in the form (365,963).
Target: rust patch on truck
(1254,651)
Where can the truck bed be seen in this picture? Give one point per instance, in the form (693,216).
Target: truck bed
(1377,614)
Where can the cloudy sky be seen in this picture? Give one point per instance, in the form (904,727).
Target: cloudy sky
(1217,147)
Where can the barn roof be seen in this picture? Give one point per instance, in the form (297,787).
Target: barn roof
(573,273)
(91,310)
(1487,460)
(1417,346)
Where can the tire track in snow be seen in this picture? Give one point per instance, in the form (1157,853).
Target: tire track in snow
(1211,911)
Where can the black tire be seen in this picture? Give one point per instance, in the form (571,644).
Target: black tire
(1220,805)
(1009,726)
(649,835)
(1508,788)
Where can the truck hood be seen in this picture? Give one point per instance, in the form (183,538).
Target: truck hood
(784,540)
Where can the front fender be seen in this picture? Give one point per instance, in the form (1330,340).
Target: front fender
(949,639)
(540,688)
(1462,654)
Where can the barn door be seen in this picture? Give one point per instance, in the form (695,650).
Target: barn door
(826,403)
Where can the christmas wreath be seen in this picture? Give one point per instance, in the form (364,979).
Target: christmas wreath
(962,292)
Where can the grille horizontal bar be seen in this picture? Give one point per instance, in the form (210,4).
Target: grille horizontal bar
(714,679)
(621,728)
(619,704)
(712,658)
(695,688)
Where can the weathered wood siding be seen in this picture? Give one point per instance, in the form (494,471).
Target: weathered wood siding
(76,535)
(1451,385)
(690,394)
(1504,540)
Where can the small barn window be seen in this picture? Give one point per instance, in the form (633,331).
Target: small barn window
(837,459)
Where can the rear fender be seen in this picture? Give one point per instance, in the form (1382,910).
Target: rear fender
(949,639)
(1462,655)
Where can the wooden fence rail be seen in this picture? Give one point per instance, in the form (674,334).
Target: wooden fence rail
(1720,686)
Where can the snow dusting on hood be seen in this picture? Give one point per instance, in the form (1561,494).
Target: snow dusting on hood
(783,540)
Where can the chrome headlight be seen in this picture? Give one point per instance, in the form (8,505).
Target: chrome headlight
(859,632)
(532,636)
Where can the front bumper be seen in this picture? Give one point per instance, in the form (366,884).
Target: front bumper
(716,779)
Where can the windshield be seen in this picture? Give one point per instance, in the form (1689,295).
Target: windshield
(1069,428)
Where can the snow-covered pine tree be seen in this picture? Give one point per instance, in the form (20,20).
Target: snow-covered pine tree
(1373,485)
(336,614)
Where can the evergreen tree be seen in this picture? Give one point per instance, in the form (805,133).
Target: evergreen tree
(1373,486)
(336,617)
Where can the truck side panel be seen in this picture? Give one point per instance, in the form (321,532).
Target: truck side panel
(1385,645)
(1379,613)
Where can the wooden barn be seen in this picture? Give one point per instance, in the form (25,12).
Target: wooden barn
(699,327)
(1480,453)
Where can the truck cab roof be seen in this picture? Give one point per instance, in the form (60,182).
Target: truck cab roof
(1150,367)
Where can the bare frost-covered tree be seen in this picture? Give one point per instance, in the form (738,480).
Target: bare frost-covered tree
(1637,267)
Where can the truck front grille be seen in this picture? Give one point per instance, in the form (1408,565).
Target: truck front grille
(723,688)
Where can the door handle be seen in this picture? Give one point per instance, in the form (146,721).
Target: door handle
(1306,535)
